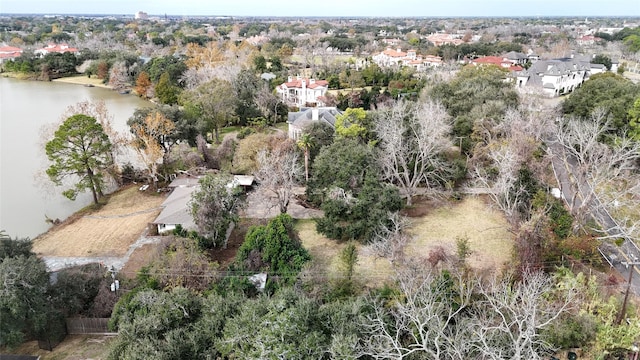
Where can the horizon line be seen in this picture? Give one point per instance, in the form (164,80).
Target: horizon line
(325,16)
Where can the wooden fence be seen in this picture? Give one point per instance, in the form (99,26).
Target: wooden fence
(88,326)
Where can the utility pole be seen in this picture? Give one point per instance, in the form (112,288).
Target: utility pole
(626,295)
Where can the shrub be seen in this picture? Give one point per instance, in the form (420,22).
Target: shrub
(244,132)
(273,248)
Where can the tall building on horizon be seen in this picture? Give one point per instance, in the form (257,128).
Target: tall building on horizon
(141,15)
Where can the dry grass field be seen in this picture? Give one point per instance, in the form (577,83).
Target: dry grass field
(489,239)
(74,347)
(108,231)
(324,252)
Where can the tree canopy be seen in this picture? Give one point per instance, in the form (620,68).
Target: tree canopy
(214,207)
(609,91)
(80,147)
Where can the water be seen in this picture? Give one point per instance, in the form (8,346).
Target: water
(26,196)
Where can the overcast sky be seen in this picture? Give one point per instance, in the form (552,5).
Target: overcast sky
(382,8)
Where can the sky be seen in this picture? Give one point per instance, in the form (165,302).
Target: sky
(346,8)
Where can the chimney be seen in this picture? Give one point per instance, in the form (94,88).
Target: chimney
(314,114)
(399,49)
(289,79)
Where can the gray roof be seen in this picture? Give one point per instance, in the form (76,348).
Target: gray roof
(176,208)
(514,55)
(305,116)
(185,181)
(556,67)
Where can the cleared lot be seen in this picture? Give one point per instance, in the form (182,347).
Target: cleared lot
(489,239)
(108,231)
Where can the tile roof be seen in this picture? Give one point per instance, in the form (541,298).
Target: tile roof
(57,48)
(310,83)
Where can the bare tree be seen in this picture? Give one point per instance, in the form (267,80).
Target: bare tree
(428,323)
(389,241)
(412,139)
(502,187)
(602,174)
(267,102)
(509,320)
(453,317)
(118,77)
(278,172)
(146,135)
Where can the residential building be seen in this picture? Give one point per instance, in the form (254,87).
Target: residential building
(398,58)
(9,53)
(302,92)
(555,77)
(175,210)
(500,61)
(391,57)
(588,40)
(55,48)
(516,58)
(299,120)
(440,39)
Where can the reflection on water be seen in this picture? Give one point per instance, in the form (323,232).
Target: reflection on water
(26,195)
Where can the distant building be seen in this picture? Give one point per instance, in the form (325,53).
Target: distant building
(440,39)
(498,61)
(141,15)
(588,40)
(398,58)
(55,48)
(9,53)
(516,58)
(301,91)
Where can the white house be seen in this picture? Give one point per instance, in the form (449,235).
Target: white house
(175,210)
(555,77)
(302,92)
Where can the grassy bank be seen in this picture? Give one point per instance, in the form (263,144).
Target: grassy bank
(83,80)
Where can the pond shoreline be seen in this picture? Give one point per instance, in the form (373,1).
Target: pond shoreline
(83,80)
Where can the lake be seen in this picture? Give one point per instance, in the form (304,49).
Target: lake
(26,196)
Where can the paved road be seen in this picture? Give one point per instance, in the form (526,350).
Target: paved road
(576,190)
